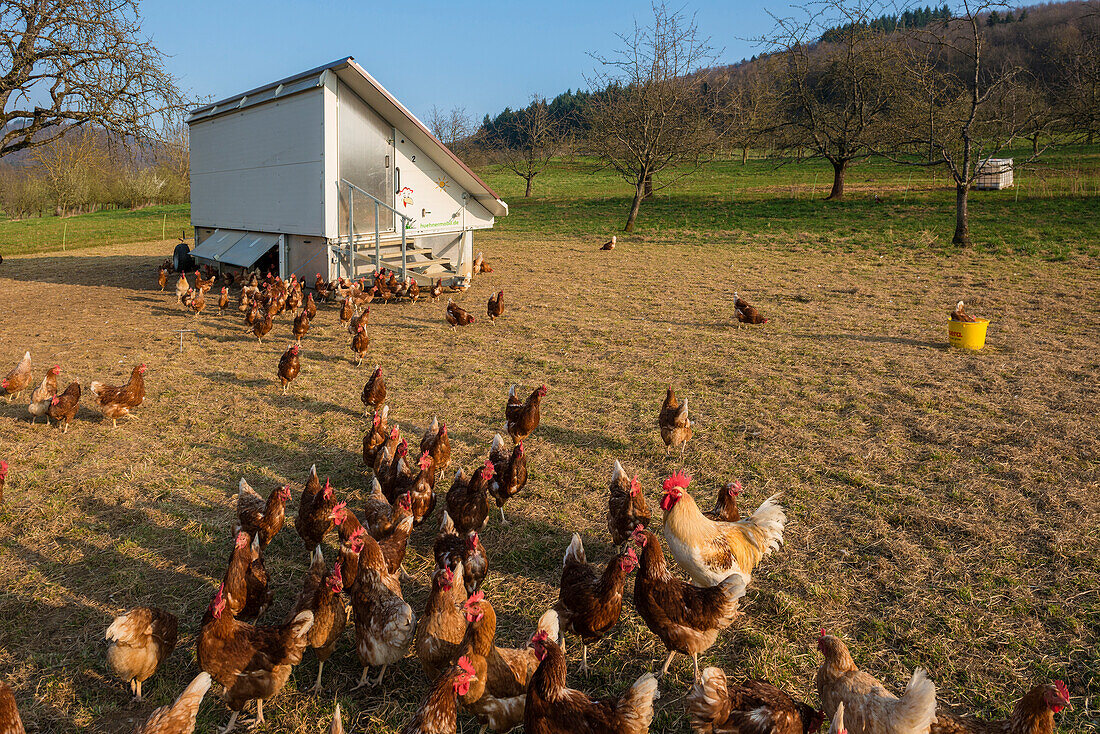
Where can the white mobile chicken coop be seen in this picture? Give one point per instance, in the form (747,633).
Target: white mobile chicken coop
(325,172)
(994,174)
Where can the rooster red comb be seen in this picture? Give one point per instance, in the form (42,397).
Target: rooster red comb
(679,480)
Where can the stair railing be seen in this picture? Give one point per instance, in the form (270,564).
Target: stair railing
(351,250)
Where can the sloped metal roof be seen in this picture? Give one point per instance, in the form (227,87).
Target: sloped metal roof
(384,103)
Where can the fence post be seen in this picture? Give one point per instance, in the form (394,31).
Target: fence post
(64,234)
(906,197)
(163,225)
(813,191)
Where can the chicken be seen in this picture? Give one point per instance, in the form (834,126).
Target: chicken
(337,726)
(450,549)
(392,471)
(746,314)
(1032,714)
(10,723)
(413,291)
(117,402)
(610,244)
(384,622)
(443,624)
(710,551)
(63,407)
(384,458)
(198,301)
(509,473)
(360,320)
(251,662)
(248,592)
(347,311)
(686,618)
(378,512)
(376,436)
(496,306)
(289,366)
(503,673)
(179,718)
(320,594)
(43,394)
(753,707)
(314,511)
(262,325)
(223,301)
(467,500)
(960,314)
(300,326)
(522,418)
(419,489)
(394,543)
(162,278)
(589,602)
(626,506)
(478,261)
(310,307)
(257,516)
(359,344)
(673,421)
(725,506)
(436,289)
(182,286)
(19,379)
(438,712)
(374,392)
(140,639)
(436,442)
(457,316)
(552,708)
(202,285)
(868,707)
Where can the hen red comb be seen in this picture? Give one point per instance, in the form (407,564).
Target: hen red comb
(476,598)
(634,485)
(823,632)
(464,663)
(1063,691)
(679,480)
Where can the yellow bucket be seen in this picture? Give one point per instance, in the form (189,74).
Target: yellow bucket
(967,334)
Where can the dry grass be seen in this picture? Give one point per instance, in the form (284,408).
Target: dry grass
(943,505)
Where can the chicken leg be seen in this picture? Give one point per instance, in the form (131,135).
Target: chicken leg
(502,520)
(664,670)
(317,686)
(231,725)
(584,658)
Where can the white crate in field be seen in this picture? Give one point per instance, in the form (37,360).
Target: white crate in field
(994,174)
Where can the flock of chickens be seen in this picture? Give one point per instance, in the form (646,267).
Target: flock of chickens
(454,635)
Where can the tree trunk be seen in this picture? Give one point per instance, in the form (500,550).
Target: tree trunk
(648,185)
(962,216)
(528,192)
(838,179)
(744,154)
(634,207)
(1035,144)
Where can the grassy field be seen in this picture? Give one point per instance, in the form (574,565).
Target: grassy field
(44,234)
(943,506)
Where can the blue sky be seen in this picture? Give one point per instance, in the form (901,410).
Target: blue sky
(482,56)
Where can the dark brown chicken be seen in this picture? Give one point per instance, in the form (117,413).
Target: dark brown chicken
(552,708)
(589,602)
(392,473)
(300,326)
(725,506)
(310,307)
(626,506)
(223,301)
(438,712)
(384,456)
(376,436)
(19,378)
(320,594)
(467,499)
(436,289)
(673,421)
(140,639)
(522,418)
(251,662)
(458,316)
(63,407)
(687,618)
(437,443)
(117,402)
(509,473)
(10,723)
(960,314)
(746,314)
(314,519)
(359,344)
(289,366)
(248,591)
(421,489)
(496,306)
(257,516)
(1032,714)
(714,706)
(262,325)
(347,311)
(374,392)
(452,549)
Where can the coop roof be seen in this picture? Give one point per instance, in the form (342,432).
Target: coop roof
(384,103)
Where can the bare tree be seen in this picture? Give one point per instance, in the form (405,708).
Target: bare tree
(834,95)
(752,108)
(1079,75)
(962,107)
(71,167)
(73,63)
(451,128)
(656,110)
(533,138)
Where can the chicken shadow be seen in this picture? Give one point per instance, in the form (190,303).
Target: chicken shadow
(579,439)
(132,272)
(876,339)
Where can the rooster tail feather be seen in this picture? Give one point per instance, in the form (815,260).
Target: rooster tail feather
(708,702)
(916,709)
(766,525)
(575,551)
(636,703)
(549,624)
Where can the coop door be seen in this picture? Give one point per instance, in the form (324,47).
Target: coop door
(366,150)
